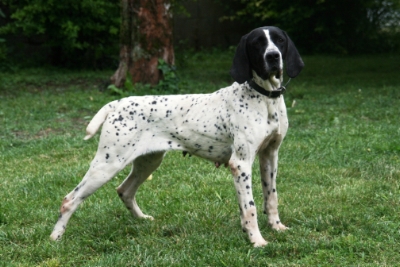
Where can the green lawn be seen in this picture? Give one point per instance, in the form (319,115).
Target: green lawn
(338,182)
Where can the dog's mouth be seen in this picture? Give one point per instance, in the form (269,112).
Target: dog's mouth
(273,72)
(275,77)
(277,73)
(270,78)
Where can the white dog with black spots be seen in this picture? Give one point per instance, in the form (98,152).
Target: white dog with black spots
(230,126)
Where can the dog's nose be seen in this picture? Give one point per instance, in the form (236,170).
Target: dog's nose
(272,57)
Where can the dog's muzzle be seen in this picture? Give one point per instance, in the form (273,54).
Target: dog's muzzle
(273,60)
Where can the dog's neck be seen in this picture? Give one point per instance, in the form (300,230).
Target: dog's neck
(269,85)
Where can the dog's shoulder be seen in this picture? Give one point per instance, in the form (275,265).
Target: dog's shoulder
(241,92)
(233,91)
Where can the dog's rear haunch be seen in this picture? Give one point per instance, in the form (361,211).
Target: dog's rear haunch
(230,126)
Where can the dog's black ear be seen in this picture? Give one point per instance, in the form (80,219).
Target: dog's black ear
(240,70)
(294,63)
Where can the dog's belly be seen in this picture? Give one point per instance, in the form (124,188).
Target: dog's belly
(207,148)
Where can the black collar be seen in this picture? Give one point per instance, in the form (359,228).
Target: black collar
(271,94)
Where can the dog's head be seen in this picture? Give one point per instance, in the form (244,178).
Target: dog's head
(263,51)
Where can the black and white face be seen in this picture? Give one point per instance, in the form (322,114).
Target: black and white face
(266,48)
(263,52)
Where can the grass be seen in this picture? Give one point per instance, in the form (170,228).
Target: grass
(338,182)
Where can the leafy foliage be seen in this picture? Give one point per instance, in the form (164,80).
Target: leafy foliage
(170,81)
(168,85)
(77,32)
(339,26)
(73,33)
(129,87)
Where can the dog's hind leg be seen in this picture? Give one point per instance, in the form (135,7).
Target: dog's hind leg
(142,167)
(100,172)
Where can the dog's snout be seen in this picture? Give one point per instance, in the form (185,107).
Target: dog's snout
(272,57)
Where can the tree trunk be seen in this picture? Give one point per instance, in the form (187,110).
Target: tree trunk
(146,36)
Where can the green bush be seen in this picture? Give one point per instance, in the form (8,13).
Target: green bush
(78,33)
(170,84)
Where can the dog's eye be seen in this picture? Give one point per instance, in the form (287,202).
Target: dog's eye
(281,40)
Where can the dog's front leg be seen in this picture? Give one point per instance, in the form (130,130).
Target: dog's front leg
(269,170)
(241,171)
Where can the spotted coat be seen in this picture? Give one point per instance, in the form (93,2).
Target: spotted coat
(230,126)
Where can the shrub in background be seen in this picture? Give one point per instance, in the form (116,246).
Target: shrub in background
(74,33)
(170,84)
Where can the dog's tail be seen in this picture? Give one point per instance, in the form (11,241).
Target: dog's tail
(98,119)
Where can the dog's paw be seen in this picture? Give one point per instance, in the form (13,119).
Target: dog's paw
(55,236)
(148,217)
(279,226)
(260,243)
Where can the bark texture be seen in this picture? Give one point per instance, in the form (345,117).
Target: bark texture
(146,36)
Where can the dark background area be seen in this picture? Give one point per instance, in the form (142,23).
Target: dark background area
(85,33)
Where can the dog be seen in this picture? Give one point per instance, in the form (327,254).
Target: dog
(230,126)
